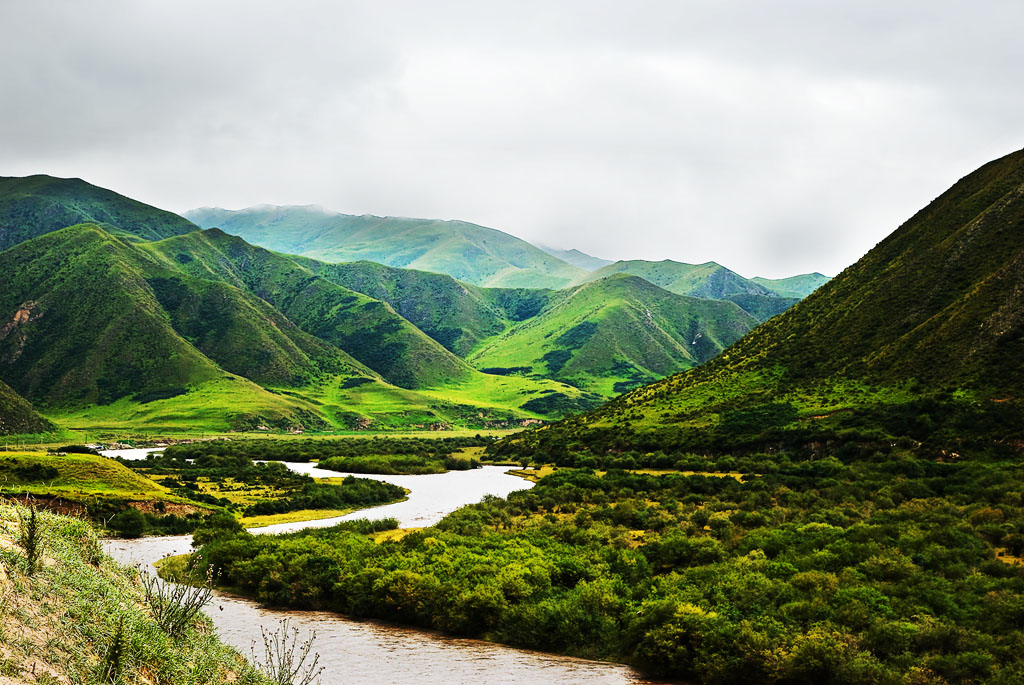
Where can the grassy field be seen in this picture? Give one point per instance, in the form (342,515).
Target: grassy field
(80,477)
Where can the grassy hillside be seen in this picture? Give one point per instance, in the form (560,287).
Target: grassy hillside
(613,334)
(922,338)
(92,320)
(368,329)
(82,618)
(470,253)
(709,280)
(17,414)
(763,307)
(34,205)
(794,286)
(457,315)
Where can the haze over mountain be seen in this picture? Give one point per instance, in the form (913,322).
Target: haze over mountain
(922,337)
(470,253)
(576,258)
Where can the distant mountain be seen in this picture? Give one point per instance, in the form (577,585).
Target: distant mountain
(33,205)
(794,286)
(577,258)
(17,414)
(922,339)
(762,307)
(708,280)
(613,334)
(470,253)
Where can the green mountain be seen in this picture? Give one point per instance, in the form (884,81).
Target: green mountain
(92,319)
(368,329)
(17,415)
(613,334)
(794,286)
(762,307)
(708,280)
(33,205)
(470,253)
(457,315)
(922,339)
(577,258)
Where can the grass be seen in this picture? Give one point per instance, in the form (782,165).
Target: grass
(82,477)
(293,517)
(63,623)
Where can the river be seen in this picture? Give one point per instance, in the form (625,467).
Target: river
(375,652)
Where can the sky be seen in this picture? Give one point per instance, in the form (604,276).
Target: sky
(773,137)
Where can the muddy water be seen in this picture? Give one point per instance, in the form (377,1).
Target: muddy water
(372,652)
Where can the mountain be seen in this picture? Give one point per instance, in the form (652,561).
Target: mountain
(922,339)
(577,258)
(33,205)
(794,286)
(762,307)
(610,335)
(366,328)
(17,415)
(470,253)
(455,314)
(91,319)
(708,280)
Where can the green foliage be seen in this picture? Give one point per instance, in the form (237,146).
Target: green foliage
(815,571)
(17,414)
(129,523)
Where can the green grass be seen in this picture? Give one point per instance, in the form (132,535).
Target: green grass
(610,335)
(81,477)
(60,623)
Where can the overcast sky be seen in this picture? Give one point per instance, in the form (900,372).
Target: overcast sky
(774,137)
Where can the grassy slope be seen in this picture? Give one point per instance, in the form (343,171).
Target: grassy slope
(87,329)
(620,331)
(82,477)
(709,280)
(470,253)
(34,205)
(369,330)
(763,307)
(59,623)
(934,310)
(794,286)
(17,414)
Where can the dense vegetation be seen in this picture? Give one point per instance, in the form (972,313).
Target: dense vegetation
(872,568)
(272,487)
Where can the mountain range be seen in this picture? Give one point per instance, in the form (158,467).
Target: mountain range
(921,340)
(136,315)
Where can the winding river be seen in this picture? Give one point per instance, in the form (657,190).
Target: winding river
(375,652)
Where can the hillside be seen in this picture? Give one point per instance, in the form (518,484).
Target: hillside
(91,319)
(470,253)
(794,286)
(708,280)
(613,334)
(17,414)
(922,338)
(82,618)
(34,205)
(368,329)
